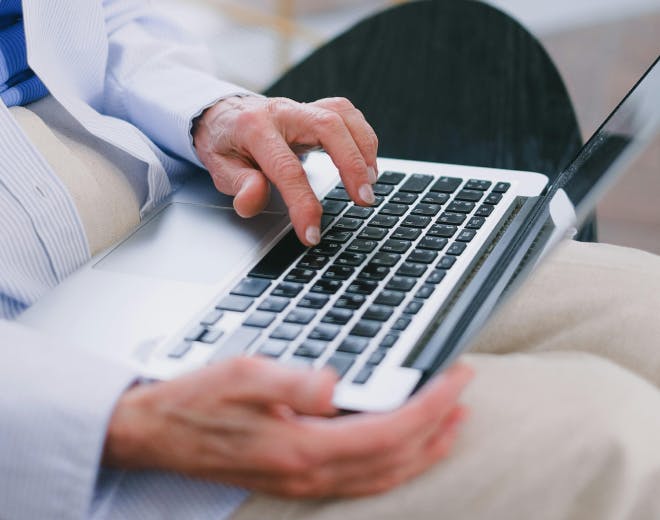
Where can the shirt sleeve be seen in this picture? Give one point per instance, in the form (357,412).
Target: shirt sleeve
(55,404)
(159,78)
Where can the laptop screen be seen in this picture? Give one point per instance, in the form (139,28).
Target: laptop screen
(628,129)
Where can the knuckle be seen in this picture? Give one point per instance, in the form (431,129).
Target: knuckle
(287,166)
(249,119)
(329,121)
(275,105)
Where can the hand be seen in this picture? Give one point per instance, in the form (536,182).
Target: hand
(248,142)
(256,424)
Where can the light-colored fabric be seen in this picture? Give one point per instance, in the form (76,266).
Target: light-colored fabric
(565,408)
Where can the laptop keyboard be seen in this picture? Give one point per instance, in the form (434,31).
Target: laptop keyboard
(345,302)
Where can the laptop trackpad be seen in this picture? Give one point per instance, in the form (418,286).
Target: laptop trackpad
(193,243)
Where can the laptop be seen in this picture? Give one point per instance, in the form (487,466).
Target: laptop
(389,298)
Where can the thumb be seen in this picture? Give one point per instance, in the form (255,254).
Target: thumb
(253,193)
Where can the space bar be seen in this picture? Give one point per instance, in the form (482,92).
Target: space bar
(236,344)
(280,258)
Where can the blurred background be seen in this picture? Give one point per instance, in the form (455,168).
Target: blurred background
(601,47)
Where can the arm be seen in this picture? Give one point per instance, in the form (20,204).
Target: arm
(55,404)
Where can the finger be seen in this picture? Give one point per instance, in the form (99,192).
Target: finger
(363,134)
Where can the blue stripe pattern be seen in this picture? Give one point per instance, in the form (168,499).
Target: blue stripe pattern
(18,84)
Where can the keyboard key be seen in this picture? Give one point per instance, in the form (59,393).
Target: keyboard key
(325,332)
(313,301)
(456,249)
(470,195)
(447,262)
(436,198)
(300,275)
(493,199)
(286,332)
(337,316)
(433,243)
(401,283)
(402,323)
(338,194)
(280,258)
(385,259)
(260,319)
(485,211)
(300,316)
(366,329)
(340,237)
(287,289)
(338,272)
(411,269)
(274,304)
(273,348)
(374,272)
(436,276)
(413,307)
(351,301)
(442,230)
(300,362)
(239,341)
(234,303)
(362,246)
(373,233)
(392,178)
(501,187)
(377,357)
(476,222)
(396,210)
(365,287)
(353,345)
(390,298)
(326,248)
(459,206)
(454,219)
(333,207)
(253,287)
(363,375)
(427,210)
(406,233)
(325,286)
(416,221)
(341,363)
(311,348)
(383,189)
(422,256)
(326,220)
(404,198)
(476,184)
(347,224)
(425,291)
(416,183)
(378,313)
(314,262)
(359,212)
(212,318)
(384,221)
(389,340)
(351,259)
(180,350)
(466,235)
(211,336)
(379,200)
(447,184)
(396,246)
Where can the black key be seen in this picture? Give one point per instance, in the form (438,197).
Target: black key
(300,275)
(446,262)
(416,221)
(325,332)
(470,195)
(442,230)
(501,187)
(314,262)
(413,307)
(300,316)
(410,269)
(379,200)
(366,329)
(433,243)
(359,212)
(180,350)
(455,219)
(211,336)
(476,222)
(340,185)
(403,198)
(456,249)
(422,256)
(396,246)
(253,287)
(311,348)
(274,304)
(338,236)
(326,248)
(353,345)
(313,301)
(392,178)
(273,348)
(260,319)
(362,246)
(390,298)
(459,206)
(485,210)
(373,233)
(394,209)
(234,303)
(428,210)
(341,363)
(378,313)
(436,198)
(362,287)
(212,318)
(351,301)
(385,259)
(337,316)
(333,207)
(377,357)
(406,233)
(363,375)
(425,291)
(287,289)
(383,189)
(338,194)
(416,183)
(326,221)
(383,221)
(280,258)
(476,184)
(493,199)
(401,283)
(402,323)
(325,286)
(447,184)
(466,235)
(347,224)
(338,272)
(389,340)
(436,276)
(286,332)
(351,259)
(374,272)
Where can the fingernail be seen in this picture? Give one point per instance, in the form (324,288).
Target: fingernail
(371,173)
(367,194)
(313,235)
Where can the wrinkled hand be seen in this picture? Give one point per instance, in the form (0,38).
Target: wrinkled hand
(247,143)
(256,424)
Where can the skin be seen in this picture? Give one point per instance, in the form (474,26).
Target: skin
(252,422)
